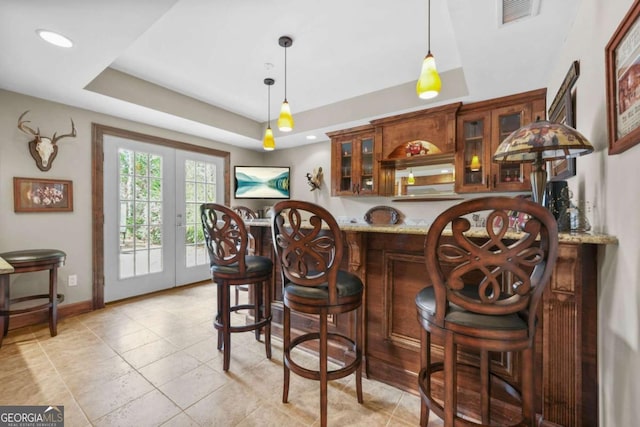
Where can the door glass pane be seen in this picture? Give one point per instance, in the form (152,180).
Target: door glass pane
(509,172)
(345,164)
(366,179)
(140,213)
(200,187)
(473,151)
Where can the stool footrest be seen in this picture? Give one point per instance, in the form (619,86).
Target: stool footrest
(437,407)
(313,374)
(59,299)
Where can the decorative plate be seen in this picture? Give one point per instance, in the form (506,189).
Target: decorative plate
(382,215)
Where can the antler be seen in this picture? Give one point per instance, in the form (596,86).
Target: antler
(55,138)
(26,129)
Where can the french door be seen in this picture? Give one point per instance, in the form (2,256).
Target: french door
(153,239)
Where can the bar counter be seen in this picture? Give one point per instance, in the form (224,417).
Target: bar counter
(390,261)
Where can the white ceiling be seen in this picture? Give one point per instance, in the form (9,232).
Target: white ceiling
(197,66)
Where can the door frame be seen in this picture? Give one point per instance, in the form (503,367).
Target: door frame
(98,132)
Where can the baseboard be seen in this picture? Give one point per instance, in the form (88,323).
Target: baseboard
(35,318)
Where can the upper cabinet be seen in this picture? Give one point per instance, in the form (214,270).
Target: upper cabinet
(355,159)
(482,126)
(376,159)
(397,142)
(419,134)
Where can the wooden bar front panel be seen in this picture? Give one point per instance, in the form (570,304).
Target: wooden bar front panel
(393,270)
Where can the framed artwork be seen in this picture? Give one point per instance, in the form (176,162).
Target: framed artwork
(562,111)
(42,195)
(623,83)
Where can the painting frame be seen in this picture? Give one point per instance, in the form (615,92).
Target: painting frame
(562,111)
(42,195)
(622,58)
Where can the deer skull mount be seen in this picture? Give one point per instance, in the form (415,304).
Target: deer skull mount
(43,149)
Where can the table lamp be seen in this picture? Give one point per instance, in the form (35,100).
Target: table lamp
(537,143)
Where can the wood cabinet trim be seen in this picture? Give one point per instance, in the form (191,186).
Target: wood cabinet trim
(417,115)
(494,103)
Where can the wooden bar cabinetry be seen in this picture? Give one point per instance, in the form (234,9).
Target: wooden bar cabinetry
(355,159)
(390,261)
(482,126)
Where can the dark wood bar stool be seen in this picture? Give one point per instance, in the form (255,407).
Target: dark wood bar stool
(484,296)
(26,261)
(309,249)
(227,240)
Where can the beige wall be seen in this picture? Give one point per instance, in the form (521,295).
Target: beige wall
(610,183)
(68,231)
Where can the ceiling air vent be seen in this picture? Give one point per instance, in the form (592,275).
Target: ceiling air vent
(514,10)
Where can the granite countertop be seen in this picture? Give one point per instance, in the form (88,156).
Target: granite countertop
(590,238)
(5,267)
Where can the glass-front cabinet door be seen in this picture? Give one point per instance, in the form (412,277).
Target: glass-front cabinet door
(479,135)
(345,182)
(474,165)
(367,179)
(354,164)
(510,176)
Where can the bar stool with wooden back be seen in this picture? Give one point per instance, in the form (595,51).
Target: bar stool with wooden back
(227,238)
(486,285)
(309,248)
(26,261)
(246,214)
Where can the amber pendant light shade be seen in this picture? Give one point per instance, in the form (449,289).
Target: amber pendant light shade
(475,165)
(429,83)
(285,121)
(269,143)
(411,179)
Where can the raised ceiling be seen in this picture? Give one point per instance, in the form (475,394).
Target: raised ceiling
(197,66)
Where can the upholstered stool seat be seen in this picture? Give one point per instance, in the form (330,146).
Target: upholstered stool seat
(26,261)
(457,316)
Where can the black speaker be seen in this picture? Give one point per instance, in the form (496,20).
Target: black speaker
(557,198)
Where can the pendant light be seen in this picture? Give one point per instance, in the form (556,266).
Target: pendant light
(268,143)
(475,163)
(285,121)
(411,179)
(429,83)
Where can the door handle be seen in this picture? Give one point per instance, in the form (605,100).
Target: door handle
(179,220)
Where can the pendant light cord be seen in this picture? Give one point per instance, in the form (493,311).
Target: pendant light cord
(428,33)
(285,73)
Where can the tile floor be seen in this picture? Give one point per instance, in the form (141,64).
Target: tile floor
(153,361)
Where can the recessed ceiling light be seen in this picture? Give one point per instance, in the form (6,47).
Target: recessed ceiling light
(54,38)
(311,137)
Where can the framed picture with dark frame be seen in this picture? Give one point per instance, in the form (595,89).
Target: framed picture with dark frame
(562,110)
(623,83)
(42,195)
